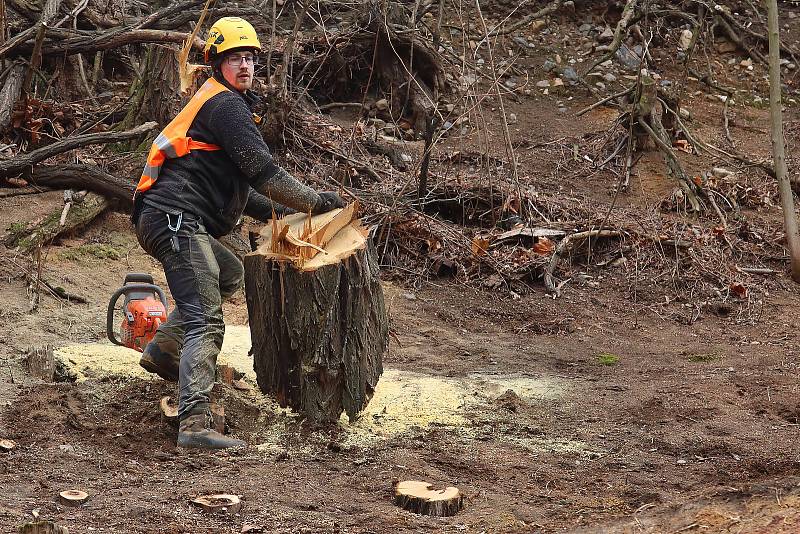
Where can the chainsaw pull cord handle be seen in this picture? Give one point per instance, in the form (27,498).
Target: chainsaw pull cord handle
(176,246)
(112,304)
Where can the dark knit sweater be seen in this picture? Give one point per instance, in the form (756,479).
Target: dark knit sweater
(215,185)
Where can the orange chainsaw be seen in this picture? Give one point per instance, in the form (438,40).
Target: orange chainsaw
(145,308)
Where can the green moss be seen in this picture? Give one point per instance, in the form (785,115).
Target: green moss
(606,358)
(701,358)
(93,250)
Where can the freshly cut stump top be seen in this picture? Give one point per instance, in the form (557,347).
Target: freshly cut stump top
(419,497)
(218,503)
(6,445)
(73,497)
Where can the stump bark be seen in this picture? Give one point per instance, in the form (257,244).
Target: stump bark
(317,315)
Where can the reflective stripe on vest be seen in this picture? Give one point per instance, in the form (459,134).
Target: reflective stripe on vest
(172,142)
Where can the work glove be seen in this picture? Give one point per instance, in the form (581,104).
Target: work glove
(328,200)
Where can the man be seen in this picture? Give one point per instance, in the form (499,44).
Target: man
(199,174)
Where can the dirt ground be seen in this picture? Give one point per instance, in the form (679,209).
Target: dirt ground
(593,412)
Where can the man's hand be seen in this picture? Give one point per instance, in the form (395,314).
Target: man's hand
(329,200)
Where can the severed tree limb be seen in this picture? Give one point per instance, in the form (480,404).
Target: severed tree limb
(23,162)
(66,43)
(566,245)
(76,176)
(37,233)
(619,34)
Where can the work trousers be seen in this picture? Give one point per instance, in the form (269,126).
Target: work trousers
(201,273)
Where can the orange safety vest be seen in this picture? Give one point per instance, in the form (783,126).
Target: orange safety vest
(172,142)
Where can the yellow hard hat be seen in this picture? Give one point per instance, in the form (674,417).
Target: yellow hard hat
(229,33)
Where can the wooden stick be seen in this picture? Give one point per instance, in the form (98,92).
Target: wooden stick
(17,165)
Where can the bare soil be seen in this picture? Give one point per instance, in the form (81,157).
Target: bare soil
(599,411)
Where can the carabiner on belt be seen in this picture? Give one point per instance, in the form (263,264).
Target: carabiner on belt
(176,247)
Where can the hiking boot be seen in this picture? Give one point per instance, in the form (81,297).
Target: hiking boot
(195,432)
(155,360)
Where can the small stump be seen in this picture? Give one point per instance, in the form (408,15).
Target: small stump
(220,502)
(42,527)
(7,445)
(72,497)
(418,497)
(317,316)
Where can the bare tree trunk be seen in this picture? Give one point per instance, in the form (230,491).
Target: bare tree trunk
(776,118)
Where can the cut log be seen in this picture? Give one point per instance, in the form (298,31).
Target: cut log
(220,502)
(41,363)
(35,234)
(7,445)
(317,315)
(418,497)
(43,527)
(72,497)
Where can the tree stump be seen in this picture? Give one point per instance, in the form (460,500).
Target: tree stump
(418,497)
(72,497)
(41,362)
(220,502)
(42,527)
(317,316)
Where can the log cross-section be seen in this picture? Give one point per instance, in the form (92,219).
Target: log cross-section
(318,325)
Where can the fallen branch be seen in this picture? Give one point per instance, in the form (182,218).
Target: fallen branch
(66,43)
(89,177)
(619,34)
(23,162)
(566,245)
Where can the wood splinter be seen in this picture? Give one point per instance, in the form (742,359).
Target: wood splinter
(220,502)
(72,497)
(169,413)
(419,497)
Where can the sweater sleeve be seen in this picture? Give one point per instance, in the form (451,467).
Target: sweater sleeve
(237,134)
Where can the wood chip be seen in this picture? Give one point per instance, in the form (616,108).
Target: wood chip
(7,445)
(72,497)
(220,502)
(418,497)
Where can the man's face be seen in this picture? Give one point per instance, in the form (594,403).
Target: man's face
(237,69)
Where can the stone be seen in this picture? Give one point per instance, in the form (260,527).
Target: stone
(558,82)
(607,63)
(721,172)
(585,28)
(562,110)
(746,63)
(450,107)
(684,114)
(542,84)
(628,58)
(406,158)
(685,40)
(521,41)
(480,61)
(382,105)
(548,65)
(601,86)
(512,118)
(607,35)
(377,123)
(570,75)
(610,78)
(469,79)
